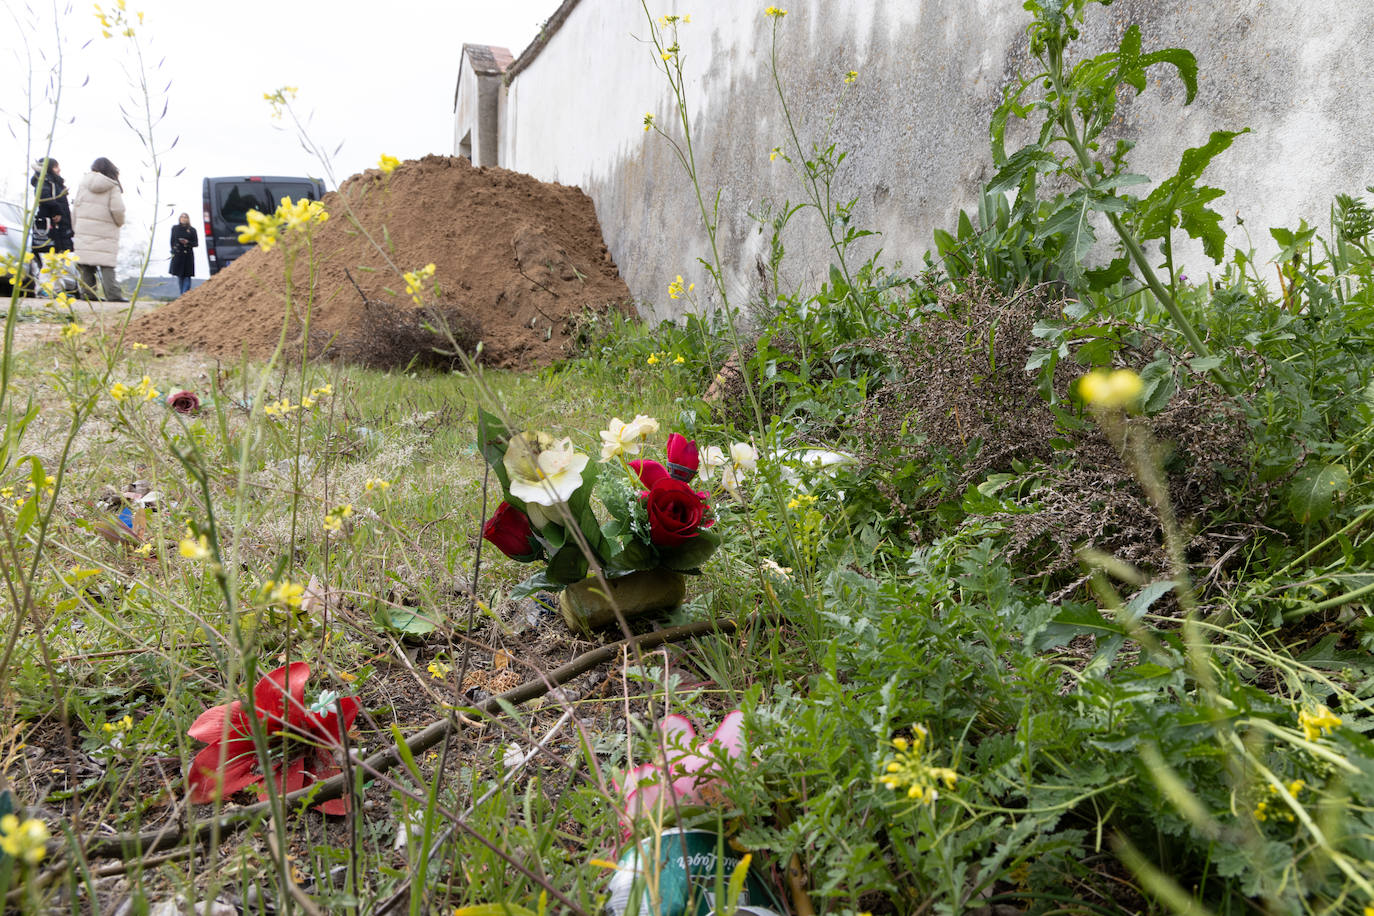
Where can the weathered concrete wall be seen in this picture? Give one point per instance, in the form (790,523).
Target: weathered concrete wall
(476,102)
(915,122)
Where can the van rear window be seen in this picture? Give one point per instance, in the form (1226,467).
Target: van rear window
(233,199)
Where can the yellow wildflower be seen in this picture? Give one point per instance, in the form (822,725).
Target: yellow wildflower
(194,548)
(279,408)
(851,76)
(774,13)
(301,213)
(376,483)
(774,153)
(388,164)
(334,519)
(679,361)
(71,330)
(285,592)
(307,403)
(280,99)
(262,230)
(677,289)
(25,842)
(119,725)
(648,120)
(119,391)
(138,346)
(322,391)
(438,669)
(653,359)
(1119,388)
(910,769)
(1317,721)
(417,280)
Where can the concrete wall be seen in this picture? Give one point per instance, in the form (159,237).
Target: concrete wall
(915,122)
(476,130)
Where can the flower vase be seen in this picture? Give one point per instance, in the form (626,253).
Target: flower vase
(586,606)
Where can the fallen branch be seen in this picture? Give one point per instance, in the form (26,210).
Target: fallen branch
(127,846)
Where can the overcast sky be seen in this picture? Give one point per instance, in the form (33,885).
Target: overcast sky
(374,77)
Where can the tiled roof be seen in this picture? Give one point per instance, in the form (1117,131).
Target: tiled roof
(488,60)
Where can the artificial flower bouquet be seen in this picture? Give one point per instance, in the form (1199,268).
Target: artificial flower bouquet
(658,521)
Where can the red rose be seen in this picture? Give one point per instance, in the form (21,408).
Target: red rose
(183,401)
(510,530)
(649,473)
(675,512)
(682,457)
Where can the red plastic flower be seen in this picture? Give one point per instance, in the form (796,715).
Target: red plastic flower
(510,530)
(690,776)
(183,401)
(682,457)
(230,762)
(676,512)
(649,473)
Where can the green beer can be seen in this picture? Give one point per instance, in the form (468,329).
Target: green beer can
(694,867)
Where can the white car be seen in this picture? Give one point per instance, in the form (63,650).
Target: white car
(12,244)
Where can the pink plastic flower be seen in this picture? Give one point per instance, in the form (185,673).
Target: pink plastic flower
(690,777)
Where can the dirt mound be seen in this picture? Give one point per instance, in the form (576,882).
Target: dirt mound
(517,261)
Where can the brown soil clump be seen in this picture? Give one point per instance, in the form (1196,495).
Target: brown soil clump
(517,261)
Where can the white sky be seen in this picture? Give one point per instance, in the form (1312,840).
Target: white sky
(374,77)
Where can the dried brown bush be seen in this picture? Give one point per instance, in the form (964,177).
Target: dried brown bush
(963,400)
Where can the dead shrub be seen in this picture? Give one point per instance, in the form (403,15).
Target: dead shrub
(962,399)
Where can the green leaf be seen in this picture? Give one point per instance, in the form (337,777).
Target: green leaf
(492,437)
(1292,243)
(1072,224)
(692,554)
(494,909)
(1074,620)
(1183,61)
(407,620)
(539,582)
(568,565)
(1158,385)
(1024,160)
(1179,201)
(1312,495)
(1103,277)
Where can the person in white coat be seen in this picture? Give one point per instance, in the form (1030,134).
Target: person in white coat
(97,214)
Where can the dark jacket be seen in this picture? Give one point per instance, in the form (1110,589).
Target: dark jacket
(53,211)
(184,242)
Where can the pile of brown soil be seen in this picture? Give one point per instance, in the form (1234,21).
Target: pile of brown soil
(517,262)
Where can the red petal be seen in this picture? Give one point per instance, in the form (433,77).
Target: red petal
(283,687)
(328,724)
(649,472)
(223,768)
(295,775)
(210,725)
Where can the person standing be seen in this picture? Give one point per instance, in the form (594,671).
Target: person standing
(52,215)
(184,242)
(97,214)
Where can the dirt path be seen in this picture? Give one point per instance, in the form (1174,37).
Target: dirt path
(39,321)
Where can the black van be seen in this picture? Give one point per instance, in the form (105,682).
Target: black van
(228,200)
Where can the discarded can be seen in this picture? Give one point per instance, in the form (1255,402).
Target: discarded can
(692,865)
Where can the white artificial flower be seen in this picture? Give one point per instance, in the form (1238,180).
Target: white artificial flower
(711,458)
(625,438)
(542,471)
(744,456)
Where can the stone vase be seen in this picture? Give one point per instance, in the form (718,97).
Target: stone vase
(586,606)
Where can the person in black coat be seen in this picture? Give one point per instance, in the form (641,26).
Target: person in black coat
(184,242)
(52,213)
